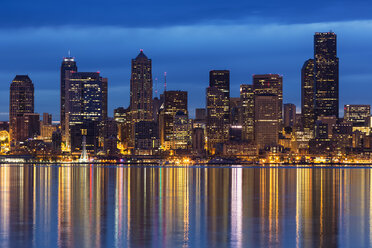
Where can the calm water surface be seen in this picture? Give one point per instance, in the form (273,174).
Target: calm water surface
(52,206)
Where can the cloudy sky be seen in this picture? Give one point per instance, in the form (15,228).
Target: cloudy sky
(184,38)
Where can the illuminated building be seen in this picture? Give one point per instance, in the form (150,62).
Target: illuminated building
(247,111)
(217,132)
(307,94)
(270,84)
(174,101)
(68,65)
(21,103)
(146,137)
(326,74)
(46,132)
(141,89)
(181,139)
(84,106)
(357,114)
(123,120)
(240,148)
(289,115)
(266,120)
(220,79)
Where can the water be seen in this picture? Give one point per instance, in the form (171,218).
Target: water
(52,206)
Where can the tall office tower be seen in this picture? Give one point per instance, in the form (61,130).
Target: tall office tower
(141,89)
(21,102)
(266,125)
(307,94)
(326,74)
(84,106)
(174,101)
(289,115)
(217,132)
(220,79)
(357,114)
(270,84)
(68,65)
(47,119)
(247,111)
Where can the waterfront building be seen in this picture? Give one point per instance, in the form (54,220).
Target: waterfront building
(326,65)
(174,101)
(85,108)
(266,125)
(125,128)
(182,127)
(147,140)
(247,111)
(21,103)
(198,141)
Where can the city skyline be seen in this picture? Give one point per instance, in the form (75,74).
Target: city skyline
(180,79)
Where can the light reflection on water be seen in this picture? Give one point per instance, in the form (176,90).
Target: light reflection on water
(71,206)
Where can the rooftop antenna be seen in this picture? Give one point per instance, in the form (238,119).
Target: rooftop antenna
(69,53)
(165,81)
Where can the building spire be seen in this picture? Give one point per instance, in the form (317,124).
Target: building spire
(165,81)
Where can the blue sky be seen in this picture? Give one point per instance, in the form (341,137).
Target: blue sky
(184,38)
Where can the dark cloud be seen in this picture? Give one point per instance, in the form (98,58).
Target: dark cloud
(150,13)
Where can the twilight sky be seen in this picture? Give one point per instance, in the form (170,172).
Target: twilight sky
(184,38)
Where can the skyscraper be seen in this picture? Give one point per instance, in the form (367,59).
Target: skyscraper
(266,119)
(84,106)
(270,84)
(174,101)
(326,74)
(68,64)
(141,89)
(307,94)
(217,130)
(220,79)
(21,103)
(247,111)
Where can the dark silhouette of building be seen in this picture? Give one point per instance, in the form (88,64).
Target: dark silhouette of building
(326,74)
(141,89)
(68,65)
(247,111)
(307,94)
(289,115)
(146,136)
(270,84)
(21,103)
(47,119)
